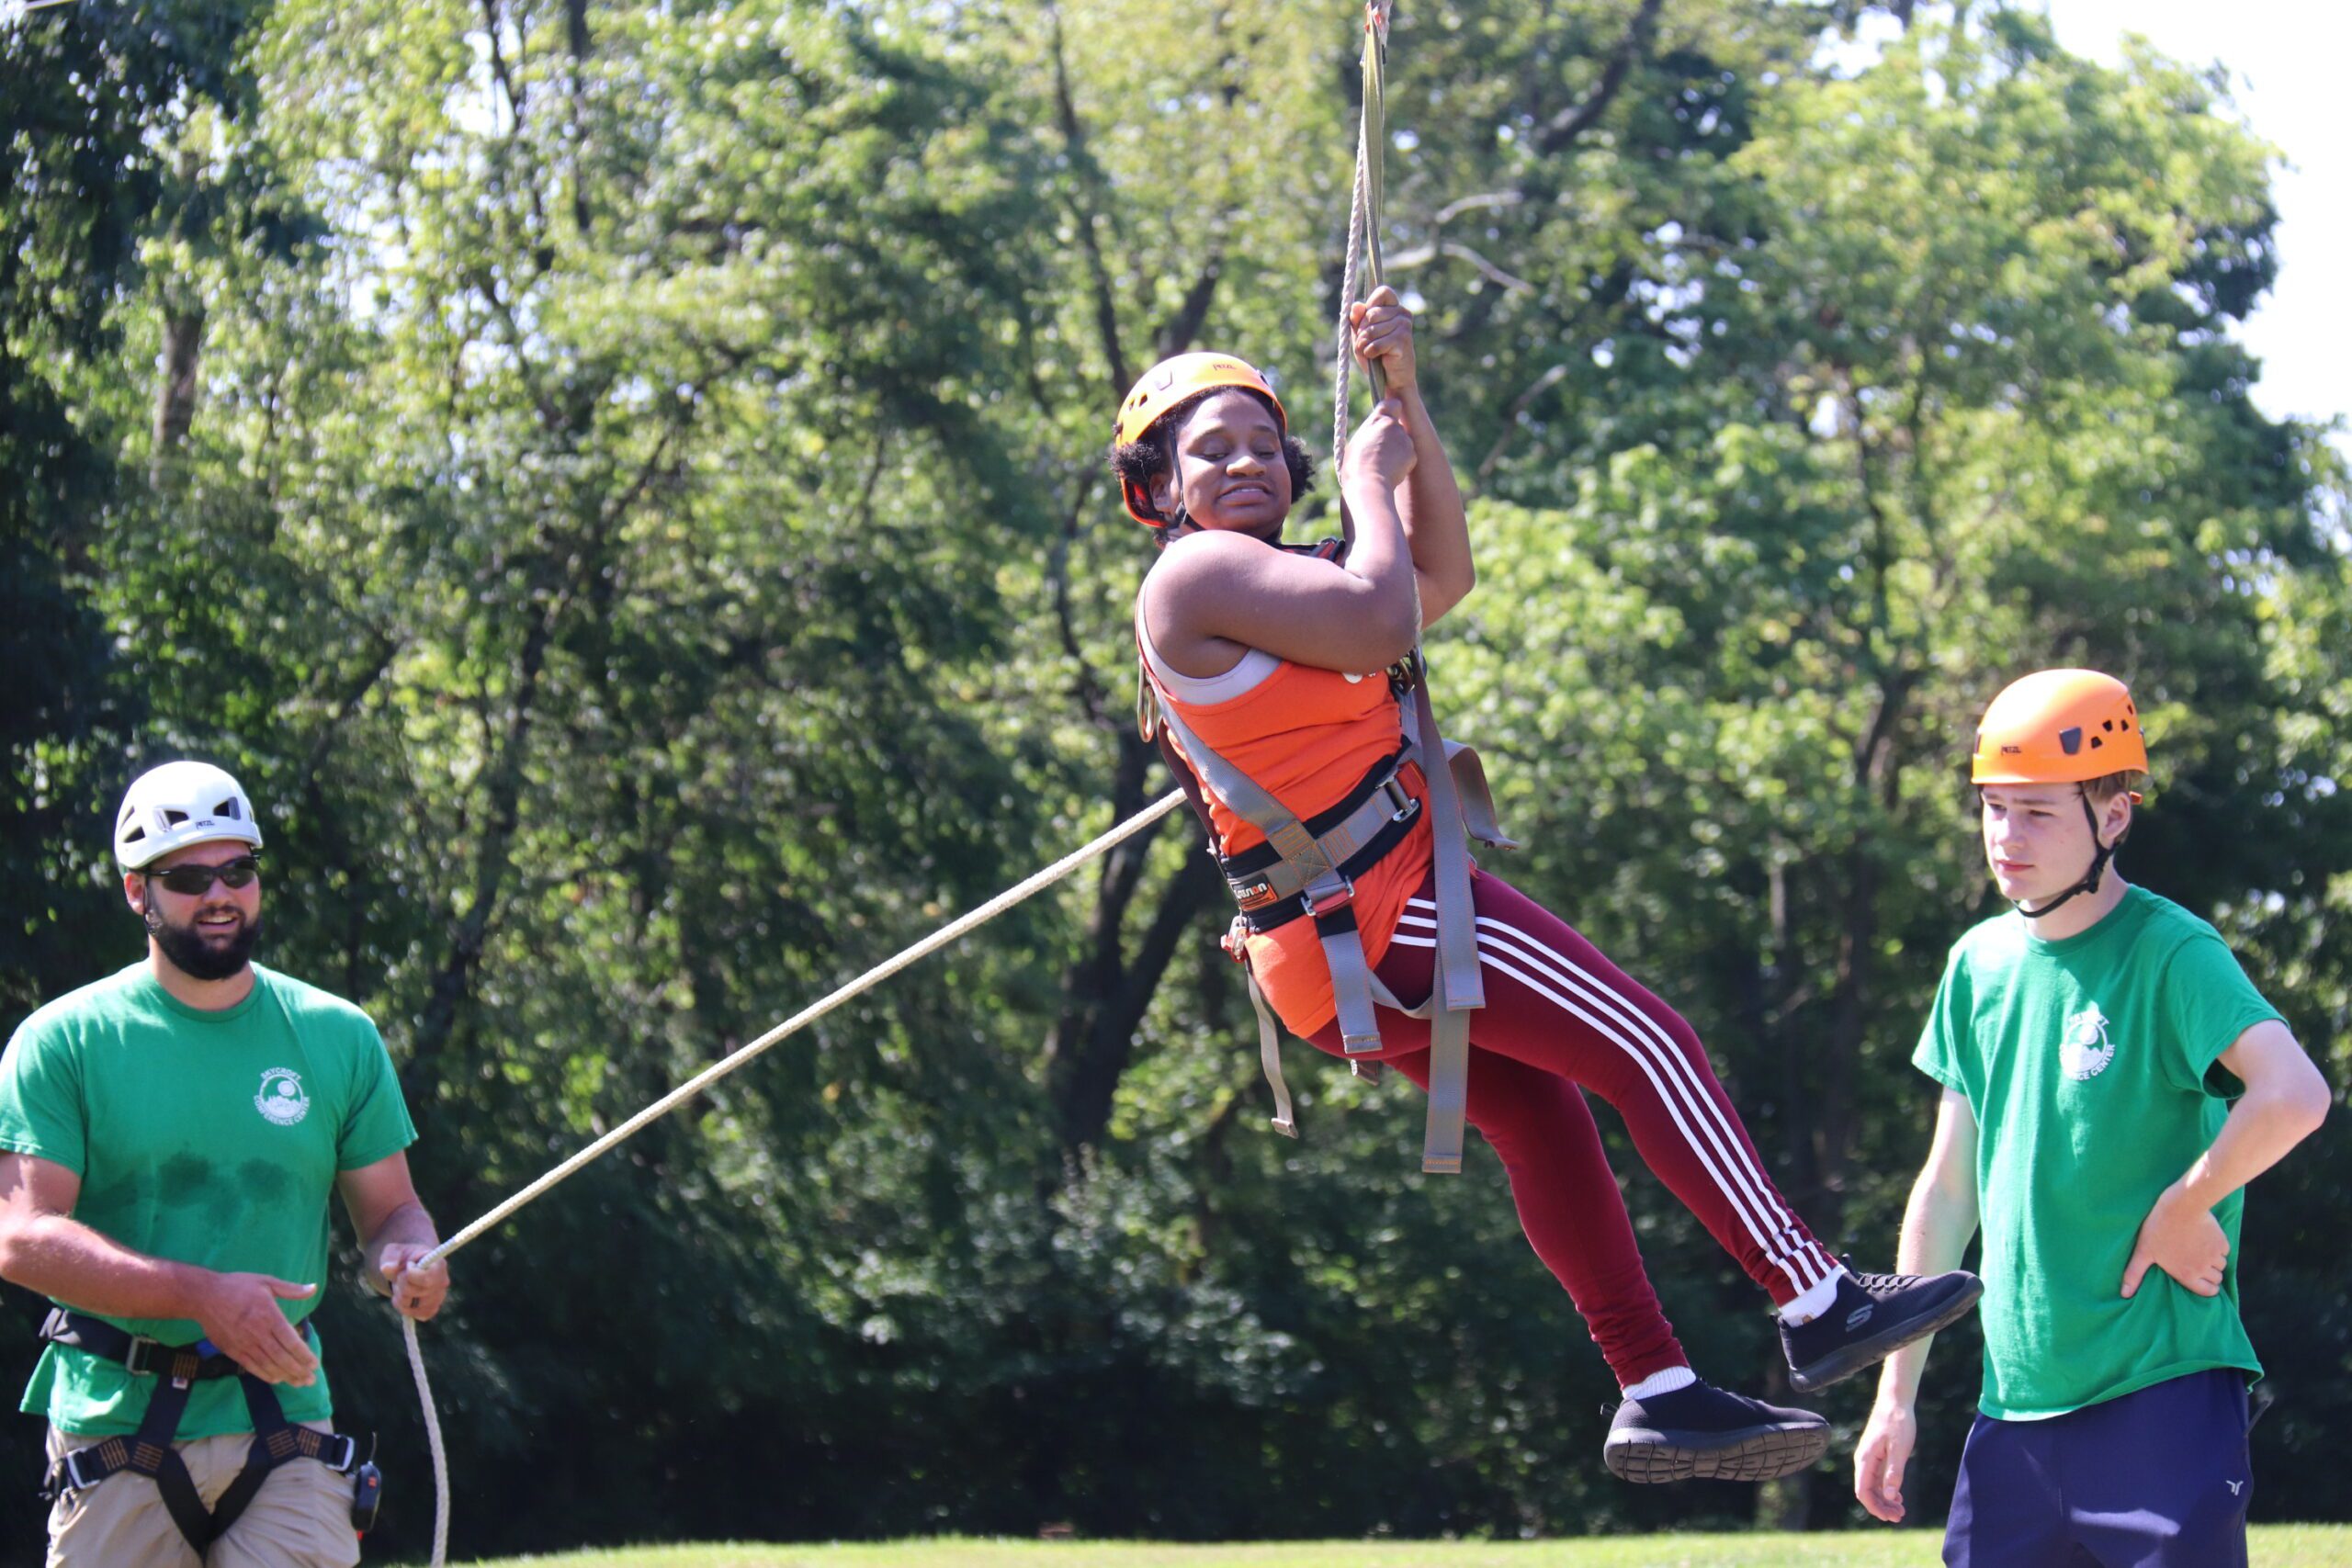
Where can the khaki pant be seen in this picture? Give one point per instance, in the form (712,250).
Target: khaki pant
(300,1518)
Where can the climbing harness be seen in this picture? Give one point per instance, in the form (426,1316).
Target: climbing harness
(1308,870)
(149,1451)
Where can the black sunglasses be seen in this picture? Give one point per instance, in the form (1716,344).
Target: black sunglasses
(192,881)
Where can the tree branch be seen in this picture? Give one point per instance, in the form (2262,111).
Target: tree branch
(1421,255)
(1519,405)
(1573,121)
(1091,698)
(1082,161)
(1178,333)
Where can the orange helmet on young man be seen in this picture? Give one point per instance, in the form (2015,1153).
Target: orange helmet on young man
(1164,385)
(2059,727)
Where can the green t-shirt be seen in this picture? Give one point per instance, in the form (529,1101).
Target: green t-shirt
(2091,1065)
(211,1138)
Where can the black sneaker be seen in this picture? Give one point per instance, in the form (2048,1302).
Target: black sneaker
(1706,1433)
(1873,1316)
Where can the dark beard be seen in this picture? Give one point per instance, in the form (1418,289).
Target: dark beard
(197,958)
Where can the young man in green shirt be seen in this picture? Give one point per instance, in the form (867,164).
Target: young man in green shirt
(2111,1080)
(169,1139)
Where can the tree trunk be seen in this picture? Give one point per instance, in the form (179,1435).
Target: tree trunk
(175,396)
(183,351)
(1106,991)
(493,863)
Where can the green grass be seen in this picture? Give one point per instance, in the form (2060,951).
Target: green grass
(2275,1546)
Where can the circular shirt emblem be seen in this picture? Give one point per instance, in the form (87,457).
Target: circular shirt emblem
(281,1099)
(2086,1051)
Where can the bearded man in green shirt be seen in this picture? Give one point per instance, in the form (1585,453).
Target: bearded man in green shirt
(170,1137)
(2111,1080)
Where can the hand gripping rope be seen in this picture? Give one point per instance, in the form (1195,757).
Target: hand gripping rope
(711,1075)
(1460,987)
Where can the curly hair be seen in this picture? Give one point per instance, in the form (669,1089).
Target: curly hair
(1138,463)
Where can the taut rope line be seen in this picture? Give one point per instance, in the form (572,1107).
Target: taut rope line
(719,1069)
(1364,218)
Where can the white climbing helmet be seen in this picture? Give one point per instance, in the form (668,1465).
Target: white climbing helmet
(180,803)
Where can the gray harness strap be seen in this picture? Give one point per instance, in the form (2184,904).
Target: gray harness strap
(1459,801)
(1457,987)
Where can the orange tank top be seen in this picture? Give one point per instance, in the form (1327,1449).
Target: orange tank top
(1307,737)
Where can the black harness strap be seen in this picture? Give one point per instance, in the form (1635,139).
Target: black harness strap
(149,1450)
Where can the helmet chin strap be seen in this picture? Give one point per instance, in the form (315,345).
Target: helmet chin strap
(2102,853)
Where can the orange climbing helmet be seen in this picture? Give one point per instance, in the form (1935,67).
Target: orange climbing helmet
(1164,385)
(2059,727)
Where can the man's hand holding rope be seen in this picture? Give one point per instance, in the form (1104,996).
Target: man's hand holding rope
(415,1292)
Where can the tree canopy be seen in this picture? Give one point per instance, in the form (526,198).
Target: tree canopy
(623,488)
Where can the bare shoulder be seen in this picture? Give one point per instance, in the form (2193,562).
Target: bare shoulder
(1197,564)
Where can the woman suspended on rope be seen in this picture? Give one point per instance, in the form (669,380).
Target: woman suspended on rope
(1284,679)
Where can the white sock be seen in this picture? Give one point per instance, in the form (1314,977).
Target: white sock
(1814,1302)
(1665,1381)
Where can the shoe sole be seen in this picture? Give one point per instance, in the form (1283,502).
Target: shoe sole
(1649,1458)
(1864,1354)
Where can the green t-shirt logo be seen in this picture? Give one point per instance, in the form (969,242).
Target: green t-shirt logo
(2086,1051)
(281,1098)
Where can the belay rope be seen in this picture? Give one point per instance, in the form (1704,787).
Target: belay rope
(1362,267)
(1364,218)
(711,1075)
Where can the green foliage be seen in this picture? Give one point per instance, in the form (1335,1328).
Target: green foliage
(2277,1546)
(640,539)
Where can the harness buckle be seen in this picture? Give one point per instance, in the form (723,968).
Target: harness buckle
(1235,940)
(339,1451)
(75,1478)
(140,1361)
(1401,797)
(1329,902)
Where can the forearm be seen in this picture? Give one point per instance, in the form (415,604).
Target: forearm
(2270,1120)
(1429,505)
(1937,1226)
(407,1225)
(1380,556)
(60,1258)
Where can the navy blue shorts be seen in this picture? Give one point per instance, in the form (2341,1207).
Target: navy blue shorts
(2156,1479)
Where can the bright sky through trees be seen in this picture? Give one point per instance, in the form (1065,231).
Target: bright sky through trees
(2284,62)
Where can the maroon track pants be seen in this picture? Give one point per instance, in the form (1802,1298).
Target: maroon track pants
(1560,1016)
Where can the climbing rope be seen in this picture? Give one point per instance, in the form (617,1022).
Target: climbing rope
(1363,267)
(711,1075)
(433,1440)
(1363,270)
